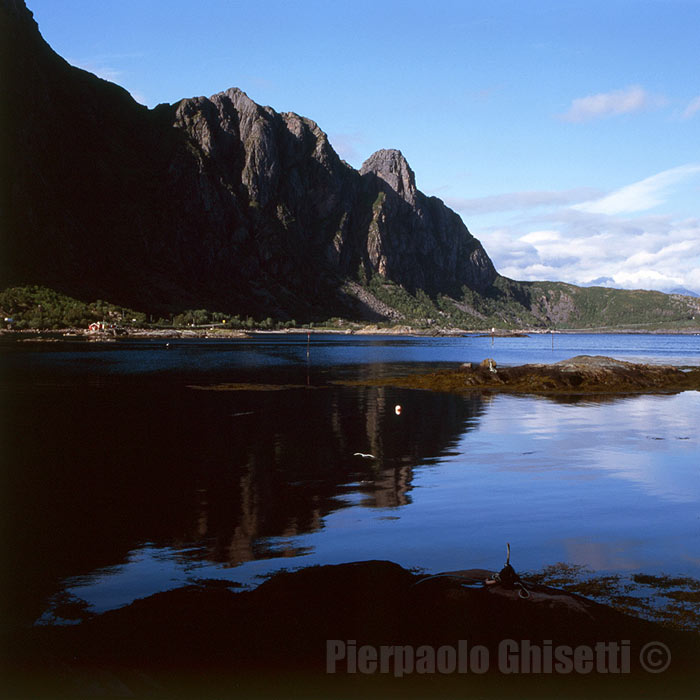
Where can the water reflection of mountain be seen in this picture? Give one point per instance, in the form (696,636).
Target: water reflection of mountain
(291,461)
(96,470)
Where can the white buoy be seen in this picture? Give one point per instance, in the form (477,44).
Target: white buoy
(398,409)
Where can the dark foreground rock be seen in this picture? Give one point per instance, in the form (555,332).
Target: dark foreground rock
(281,640)
(583,374)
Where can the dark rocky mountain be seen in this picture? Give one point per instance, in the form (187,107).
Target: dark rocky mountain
(221,204)
(211,202)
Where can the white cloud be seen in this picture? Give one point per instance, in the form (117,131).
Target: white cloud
(612,237)
(646,278)
(692,108)
(607,104)
(100,70)
(638,252)
(140,98)
(664,255)
(541,237)
(510,201)
(510,252)
(641,195)
(346,146)
(103,67)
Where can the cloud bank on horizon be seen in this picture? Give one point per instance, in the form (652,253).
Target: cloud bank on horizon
(606,239)
(587,236)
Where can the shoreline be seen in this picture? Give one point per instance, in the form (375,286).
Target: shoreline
(218,333)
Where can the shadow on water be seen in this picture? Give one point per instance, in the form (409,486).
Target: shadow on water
(97,467)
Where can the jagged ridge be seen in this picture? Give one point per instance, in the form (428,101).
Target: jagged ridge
(215,202)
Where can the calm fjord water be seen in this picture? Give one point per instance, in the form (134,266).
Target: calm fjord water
(127,473)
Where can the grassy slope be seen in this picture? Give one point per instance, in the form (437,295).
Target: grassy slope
(543,305)
(600,306)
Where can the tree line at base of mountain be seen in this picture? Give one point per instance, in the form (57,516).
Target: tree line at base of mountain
(34,307)
(507,304)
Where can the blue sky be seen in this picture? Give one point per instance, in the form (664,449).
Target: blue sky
(566,133)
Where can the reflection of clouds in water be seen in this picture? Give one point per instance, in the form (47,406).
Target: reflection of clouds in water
(677,481)
(676,414)
(651,441)
(611,555)
(669,416)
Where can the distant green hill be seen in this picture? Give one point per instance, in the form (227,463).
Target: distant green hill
(511,304)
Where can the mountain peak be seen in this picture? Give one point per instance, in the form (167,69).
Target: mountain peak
(18,9)
(391,166)
(215,202)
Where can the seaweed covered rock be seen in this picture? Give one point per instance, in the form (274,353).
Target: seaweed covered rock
(583,374)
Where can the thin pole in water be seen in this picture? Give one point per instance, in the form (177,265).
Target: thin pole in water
(493,333)
(552,334)
(308,363)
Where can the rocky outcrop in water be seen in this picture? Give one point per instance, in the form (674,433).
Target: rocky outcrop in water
(583,374)
(211,202)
